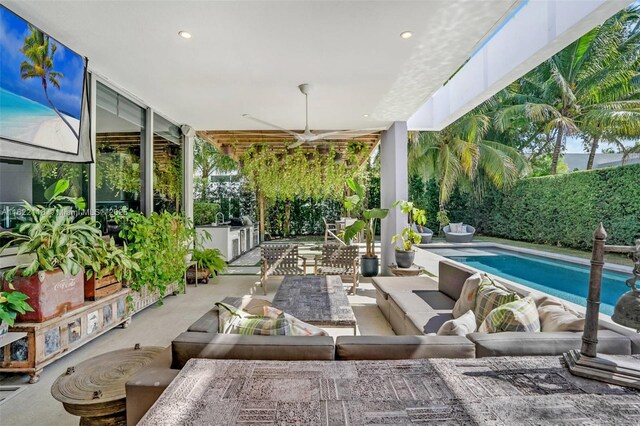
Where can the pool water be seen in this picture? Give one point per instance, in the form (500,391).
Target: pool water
(566,280)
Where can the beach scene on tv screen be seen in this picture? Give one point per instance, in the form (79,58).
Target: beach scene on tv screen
(41,85)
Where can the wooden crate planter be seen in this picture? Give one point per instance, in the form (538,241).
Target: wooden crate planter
(97,288)
(50,340)
(51,294)
(145,298)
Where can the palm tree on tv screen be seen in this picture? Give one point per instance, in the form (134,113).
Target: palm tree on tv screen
(40,51)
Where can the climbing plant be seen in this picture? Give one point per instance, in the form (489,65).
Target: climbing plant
(298,173)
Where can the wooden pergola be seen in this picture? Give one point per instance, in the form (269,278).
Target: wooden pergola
(235,143)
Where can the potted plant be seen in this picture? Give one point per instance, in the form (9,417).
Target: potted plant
(369,262)
(209,261)
(117,265)
(405,253)
(58,249)
(12,304)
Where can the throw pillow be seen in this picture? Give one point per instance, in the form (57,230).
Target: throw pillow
(490,296)
(467,299)
(236,321)
(457,228)
(460,326)
(519,315)
(295,327)
(556,316)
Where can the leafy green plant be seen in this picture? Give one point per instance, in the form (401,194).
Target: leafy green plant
(416,216)
(13,303)
(408,238)
(205,213)
(211,259)
(160,242)
(367,224)
(118,260)
(53,239)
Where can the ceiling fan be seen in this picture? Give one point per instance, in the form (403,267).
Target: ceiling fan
(307,136)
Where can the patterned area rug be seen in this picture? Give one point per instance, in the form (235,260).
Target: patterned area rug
(486,391)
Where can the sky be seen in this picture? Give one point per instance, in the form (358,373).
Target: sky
(67,99)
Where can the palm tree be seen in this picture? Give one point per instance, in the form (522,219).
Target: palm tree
(40,51)
(460,155)
(590,88)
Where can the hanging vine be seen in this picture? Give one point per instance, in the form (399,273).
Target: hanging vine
(298,173)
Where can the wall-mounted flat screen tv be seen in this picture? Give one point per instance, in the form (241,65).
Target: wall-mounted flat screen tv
(42,86)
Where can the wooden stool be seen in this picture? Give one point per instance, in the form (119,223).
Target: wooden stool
(95,388)
(413,271)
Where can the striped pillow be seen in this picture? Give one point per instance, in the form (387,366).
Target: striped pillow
(295,327)
(489,296)
(519,315)
(236,321)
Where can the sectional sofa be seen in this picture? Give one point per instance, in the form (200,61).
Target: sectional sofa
(415,307)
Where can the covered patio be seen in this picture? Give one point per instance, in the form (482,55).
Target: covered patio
(292,329)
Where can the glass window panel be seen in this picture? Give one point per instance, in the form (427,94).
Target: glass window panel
(120,133)
(167,166)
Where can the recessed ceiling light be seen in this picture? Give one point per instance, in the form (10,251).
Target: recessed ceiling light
(365,115)
(406,34)
(184,34)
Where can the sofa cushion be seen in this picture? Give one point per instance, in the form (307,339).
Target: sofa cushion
(519,315)
(460,326)
(489,297)
(451,278)
(428,322)
(387,285)
(457,228)
(467,299)
(236,321)
(294,326)
(208,323)
(402,347)
(556,316)
(235,346)
(427,310)
(539,344)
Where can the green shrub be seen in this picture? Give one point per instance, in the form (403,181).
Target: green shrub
(559,210)
(205,213)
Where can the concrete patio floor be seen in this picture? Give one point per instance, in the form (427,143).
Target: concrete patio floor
(157,326)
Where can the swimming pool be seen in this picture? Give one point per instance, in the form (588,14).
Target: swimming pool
(566,280)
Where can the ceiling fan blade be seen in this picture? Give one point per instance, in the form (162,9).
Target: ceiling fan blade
(296,144)
(346,134)
(273,126)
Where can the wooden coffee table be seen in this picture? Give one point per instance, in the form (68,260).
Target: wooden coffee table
(317,299)
(95,388)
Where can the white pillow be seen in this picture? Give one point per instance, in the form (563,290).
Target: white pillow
(457,228)
(556,316)
(461,326)
(467,299)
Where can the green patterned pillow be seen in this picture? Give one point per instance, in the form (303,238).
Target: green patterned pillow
(236,321)
(489,296)
(295,327)
(519,315)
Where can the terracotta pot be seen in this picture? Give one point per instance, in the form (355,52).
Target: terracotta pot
(51,294)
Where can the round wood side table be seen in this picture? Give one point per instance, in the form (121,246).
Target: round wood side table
(95,388)
(413,271)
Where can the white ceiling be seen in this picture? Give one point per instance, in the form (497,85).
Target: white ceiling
(249,56)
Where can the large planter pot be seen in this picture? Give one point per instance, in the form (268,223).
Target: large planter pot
(369,266)
(51,294)
(404,259)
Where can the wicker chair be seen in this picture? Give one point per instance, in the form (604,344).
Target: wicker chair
(280,259)
(338,259)
(425,233)
(458,237)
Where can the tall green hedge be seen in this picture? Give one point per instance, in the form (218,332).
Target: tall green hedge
(559,210)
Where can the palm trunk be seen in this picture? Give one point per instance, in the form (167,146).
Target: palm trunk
(261,214)
(556,150)
(287,217)
(595,141)
(46,95)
